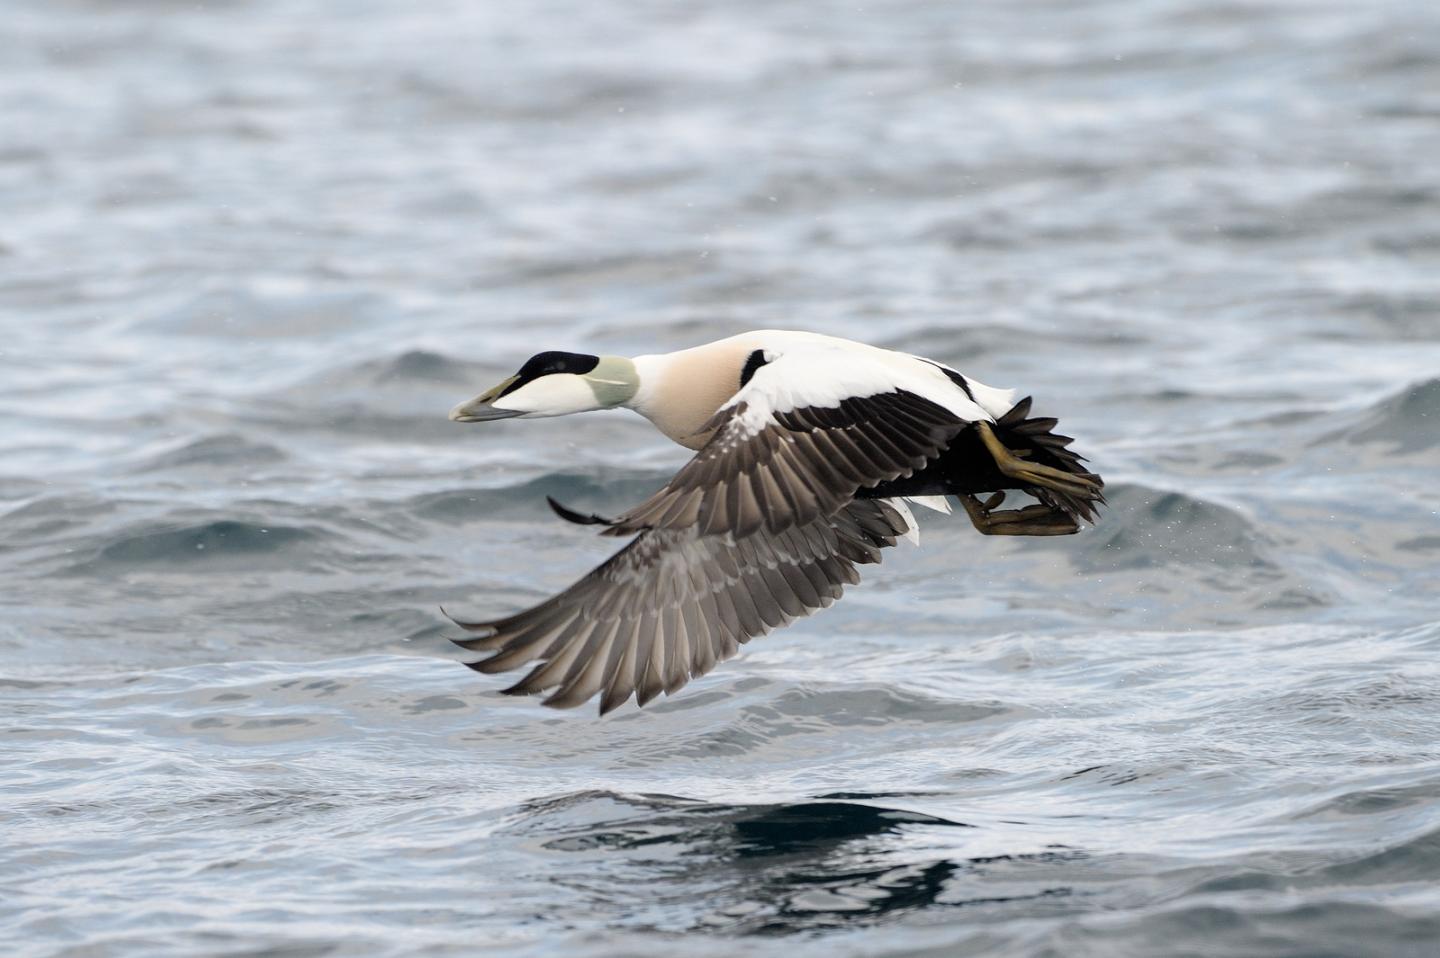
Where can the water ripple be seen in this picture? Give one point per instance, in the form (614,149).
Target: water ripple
(254,252)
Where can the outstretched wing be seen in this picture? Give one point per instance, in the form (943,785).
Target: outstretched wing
(674,602)
(810,430)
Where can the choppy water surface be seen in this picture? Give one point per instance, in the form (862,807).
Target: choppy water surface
(251,253)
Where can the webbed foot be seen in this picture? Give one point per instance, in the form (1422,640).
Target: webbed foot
(1010,464)
(1036,520)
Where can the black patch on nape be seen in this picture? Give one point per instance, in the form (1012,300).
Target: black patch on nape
(752,363)
(545,364)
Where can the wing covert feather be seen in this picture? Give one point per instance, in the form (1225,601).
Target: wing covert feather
(795,466)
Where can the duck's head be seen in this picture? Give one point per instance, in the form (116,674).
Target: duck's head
(555,384)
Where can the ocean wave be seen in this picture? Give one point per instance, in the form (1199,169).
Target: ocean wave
(46,519)
(254,253)
(1407,423)
(226,451)
(782,868)
(1261,924)
(1383,800)
(228,312)
(604,491)
(1145,527)
(215,541)
(407,368)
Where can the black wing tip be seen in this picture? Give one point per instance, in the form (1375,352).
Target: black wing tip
(579,518)
(555,700)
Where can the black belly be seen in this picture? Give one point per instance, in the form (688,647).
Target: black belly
(965,466)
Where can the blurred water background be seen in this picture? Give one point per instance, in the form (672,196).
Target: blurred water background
(252,252)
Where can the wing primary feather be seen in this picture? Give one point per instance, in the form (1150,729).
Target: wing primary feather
(579,518)
(677,653)
(585,676)
(653,681)
(702,655)
(517,627)
(523,648)
(620,671)
(550,672)
(725,608)
(800,586)
(752,622)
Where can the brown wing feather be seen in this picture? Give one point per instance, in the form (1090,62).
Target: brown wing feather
(674,603)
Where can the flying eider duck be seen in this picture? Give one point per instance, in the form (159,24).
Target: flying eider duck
(808,448)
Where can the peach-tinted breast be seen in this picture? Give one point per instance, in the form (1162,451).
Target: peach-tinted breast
(693,385)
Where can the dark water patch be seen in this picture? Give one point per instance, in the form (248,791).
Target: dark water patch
(589,820)
(624,271)
(958,346)
(954,346)
(1248,461)
(225,313)
(1374,801)
(1415,859)
(604,491)
(1174,549)
(14,488)
(840,706)
(224,452)
(1422,242)
(1145,528)
(1403,428)
(436,703)
(1393,315)
(29,684)
(426,366)
(1233,455)
(405,396)
(1364,702)
(398,375)
(1420,544)
(411,367)
(1328,927)
(256,806)
(1408,423)
(787,868)
(1115,776)
(1352,204)
(755,716)
(332,415)
(217,541)
(50,517)
(790,829)
(450,96)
